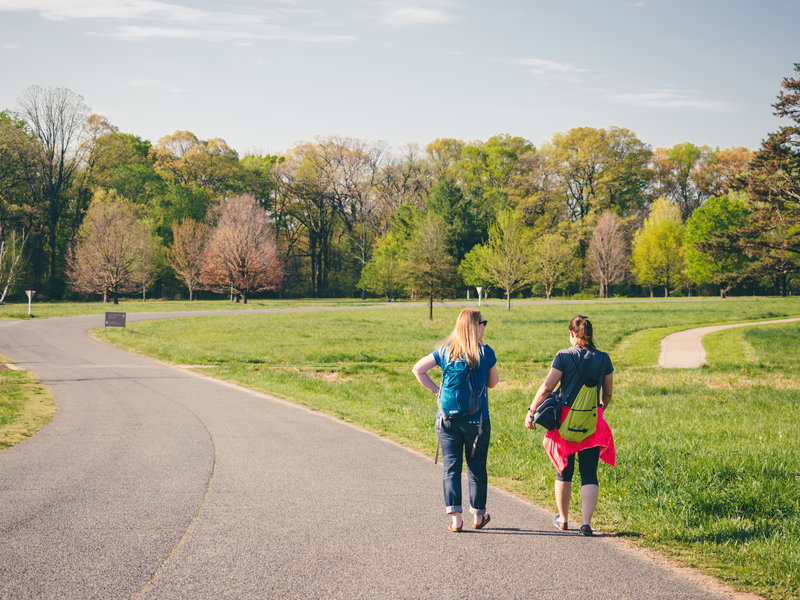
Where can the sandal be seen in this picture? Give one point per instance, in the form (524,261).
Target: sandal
(586,530)
(562,525)
(454,529)
(484,520)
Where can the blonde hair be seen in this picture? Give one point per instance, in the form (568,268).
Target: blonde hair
(465,338)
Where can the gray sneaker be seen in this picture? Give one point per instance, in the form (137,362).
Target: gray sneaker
(562,525)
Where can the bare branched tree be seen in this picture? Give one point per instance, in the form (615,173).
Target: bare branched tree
(349,169)
(110,253)
(185,256)
(56,118)
(312,211)
(11,248)
(608,255)
(241,254)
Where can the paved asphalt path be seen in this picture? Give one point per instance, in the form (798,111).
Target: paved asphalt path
(684,349)
(152,482)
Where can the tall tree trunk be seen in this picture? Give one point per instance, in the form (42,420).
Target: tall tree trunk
(312,251)
(51,242)
(430,305)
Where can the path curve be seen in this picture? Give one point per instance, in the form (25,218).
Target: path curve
(152,482)
(684,349)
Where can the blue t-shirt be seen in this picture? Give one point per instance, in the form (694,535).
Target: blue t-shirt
(594,364)
(488,360)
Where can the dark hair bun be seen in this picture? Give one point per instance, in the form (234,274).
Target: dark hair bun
(581,326)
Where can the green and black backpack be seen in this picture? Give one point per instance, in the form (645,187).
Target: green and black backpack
(581,420)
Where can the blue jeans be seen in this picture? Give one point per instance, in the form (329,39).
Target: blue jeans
(456,438)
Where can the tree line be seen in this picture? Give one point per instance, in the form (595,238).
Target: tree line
(89,211)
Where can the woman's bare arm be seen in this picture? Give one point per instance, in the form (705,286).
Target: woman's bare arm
(420,370)
(608,390)
(494,377)
(548,385)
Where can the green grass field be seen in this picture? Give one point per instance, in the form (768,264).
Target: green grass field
(708,464)
(25,406)
(19,310)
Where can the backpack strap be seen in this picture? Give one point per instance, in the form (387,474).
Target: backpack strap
(567,400)
(436,456)
(577,364)
(474,444)
(480,431)
(474,371)
(480,421)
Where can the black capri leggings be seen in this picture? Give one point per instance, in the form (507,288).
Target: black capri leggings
(587,465)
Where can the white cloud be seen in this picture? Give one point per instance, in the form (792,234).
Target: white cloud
(678,99)
(414,15)
(10,46)
(237,35)
(140,32)
(58,10)
(152,19)
(541,66)
(137,83)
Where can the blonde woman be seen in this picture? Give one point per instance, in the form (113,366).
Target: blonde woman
(464,435)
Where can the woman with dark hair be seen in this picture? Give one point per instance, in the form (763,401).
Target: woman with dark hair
(581,361)
(464,435)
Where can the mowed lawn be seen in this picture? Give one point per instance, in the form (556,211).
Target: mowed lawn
(25,405)
(19,310)
(708,460)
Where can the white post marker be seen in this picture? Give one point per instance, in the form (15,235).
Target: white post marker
(31,294)
(480,289)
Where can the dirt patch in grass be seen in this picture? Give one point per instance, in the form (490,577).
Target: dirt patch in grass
(724,381)
(328,376)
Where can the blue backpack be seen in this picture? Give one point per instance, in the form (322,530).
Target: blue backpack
(458,395)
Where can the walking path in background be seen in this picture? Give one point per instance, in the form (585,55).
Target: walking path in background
(684,349)
(154,482)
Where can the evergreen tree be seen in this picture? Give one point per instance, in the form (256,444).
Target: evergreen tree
(770,237)
(708,263)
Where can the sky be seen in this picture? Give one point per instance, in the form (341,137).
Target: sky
(266,75)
